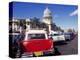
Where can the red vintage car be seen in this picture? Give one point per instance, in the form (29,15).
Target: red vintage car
(36,43)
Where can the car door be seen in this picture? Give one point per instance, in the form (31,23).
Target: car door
(55,37)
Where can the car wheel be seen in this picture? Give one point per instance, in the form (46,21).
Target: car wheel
(18,53)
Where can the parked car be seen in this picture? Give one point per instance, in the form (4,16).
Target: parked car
(67,36)
(57,36)
(35,43)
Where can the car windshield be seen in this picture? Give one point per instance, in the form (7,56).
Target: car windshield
(36,36)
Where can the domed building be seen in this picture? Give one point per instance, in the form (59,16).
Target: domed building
(47,18)
(47,13)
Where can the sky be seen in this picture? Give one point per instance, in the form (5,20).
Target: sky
(64,16)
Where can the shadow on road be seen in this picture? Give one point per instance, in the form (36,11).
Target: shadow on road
(56,52)
(60,43)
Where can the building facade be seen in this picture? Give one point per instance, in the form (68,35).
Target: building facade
(47,18)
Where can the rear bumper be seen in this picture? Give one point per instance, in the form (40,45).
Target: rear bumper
(59,39)
(67,38)
(45,52)
(51,51)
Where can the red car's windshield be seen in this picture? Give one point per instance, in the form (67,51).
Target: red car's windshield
(36,36)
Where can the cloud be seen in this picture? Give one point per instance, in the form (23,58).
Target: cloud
(74,13)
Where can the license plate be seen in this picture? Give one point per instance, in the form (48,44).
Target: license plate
(38,53)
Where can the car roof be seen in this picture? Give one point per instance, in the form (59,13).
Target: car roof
(54,32)
(35,31)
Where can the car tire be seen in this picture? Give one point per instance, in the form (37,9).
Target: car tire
(18,53)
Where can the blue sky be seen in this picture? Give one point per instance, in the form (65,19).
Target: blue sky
(63,15)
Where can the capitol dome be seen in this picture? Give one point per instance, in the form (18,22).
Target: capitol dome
(47,13)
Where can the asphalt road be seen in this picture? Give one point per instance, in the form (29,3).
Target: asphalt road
(69,47)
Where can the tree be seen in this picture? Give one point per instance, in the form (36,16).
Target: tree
(35,22)
(23,23)
(70,30)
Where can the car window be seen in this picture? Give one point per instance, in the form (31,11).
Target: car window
(56,34)
(36,36)
(66,33)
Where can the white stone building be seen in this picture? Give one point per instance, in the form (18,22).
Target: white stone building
(47,18)
(14,25)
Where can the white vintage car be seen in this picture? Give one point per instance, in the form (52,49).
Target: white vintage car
(56,36)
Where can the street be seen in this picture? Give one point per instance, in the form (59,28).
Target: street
(69,47)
